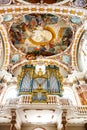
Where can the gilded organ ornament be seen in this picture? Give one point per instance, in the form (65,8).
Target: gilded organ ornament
(40,84)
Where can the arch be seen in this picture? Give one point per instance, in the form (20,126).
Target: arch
(42,60)
(6,46)
(75,47)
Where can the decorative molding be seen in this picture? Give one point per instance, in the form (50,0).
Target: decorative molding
(12,9)
(6,45)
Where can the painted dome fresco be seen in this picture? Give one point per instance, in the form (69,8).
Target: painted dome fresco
(41,34)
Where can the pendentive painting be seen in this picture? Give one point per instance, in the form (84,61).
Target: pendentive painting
(80,3)
(41,34)
(3,2)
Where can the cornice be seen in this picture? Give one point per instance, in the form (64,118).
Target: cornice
(32,8)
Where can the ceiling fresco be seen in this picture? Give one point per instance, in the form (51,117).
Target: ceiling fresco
(78,3)
(7,18)
(44,1)
(41,34)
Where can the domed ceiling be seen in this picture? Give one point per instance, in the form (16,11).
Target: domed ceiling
(40,32)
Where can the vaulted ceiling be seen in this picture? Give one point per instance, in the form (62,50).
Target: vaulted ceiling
(47,37)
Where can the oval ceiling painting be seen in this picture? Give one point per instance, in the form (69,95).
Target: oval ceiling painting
(44,1)
(41,34)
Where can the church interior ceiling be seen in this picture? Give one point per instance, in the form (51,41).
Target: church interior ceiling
(50,36)
(40,35)
(43,58)
(47,35)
